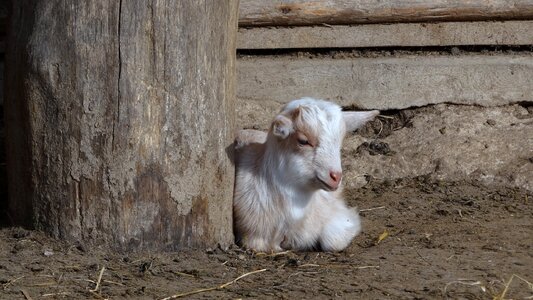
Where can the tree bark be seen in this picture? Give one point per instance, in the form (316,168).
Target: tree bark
(118,116)
(346,12)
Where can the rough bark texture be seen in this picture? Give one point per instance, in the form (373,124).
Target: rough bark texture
(118,115)
(335,12)
(387,35)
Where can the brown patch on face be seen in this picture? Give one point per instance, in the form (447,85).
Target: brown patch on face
(292,144)
(301,131)
(295,114)
(306,135)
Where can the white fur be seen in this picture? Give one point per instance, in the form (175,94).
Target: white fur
(285,194)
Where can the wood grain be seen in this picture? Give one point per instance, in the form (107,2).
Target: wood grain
(385,82)
(118,116)
(345,12)
(387,35)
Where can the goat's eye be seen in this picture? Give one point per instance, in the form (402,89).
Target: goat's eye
(303,142)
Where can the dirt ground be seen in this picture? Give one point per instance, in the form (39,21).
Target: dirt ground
(457,240)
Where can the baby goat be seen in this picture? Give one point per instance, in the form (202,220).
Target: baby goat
(288,181)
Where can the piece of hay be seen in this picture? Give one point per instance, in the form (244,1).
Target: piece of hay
(55,294)
(99,280)
(26,294)
(220,287)
(466,282)
(382,236)
(309,265)
(274,254)
(10,282)
(501,296)
(370,209)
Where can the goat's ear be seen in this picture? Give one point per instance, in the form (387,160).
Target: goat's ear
(356,119)
(282,126)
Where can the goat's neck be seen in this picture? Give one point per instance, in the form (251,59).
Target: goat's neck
(274,165)
(274,161)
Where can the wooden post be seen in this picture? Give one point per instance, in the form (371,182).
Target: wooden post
(118,116)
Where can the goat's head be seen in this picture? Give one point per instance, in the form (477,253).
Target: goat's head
(309,135)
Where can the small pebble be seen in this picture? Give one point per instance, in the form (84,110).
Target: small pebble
(36,268)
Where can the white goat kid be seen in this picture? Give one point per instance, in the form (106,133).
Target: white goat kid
(288,182)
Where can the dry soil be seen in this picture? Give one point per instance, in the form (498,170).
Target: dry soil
(422,239)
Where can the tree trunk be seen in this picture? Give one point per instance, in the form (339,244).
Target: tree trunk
(118,116)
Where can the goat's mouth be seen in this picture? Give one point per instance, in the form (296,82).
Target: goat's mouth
(324,185)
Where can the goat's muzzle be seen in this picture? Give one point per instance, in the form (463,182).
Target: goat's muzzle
(332,183)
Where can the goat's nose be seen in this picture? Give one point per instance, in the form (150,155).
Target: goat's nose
(335,176)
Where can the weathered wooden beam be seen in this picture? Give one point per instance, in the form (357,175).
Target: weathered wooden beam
(387,83)
(387,35)
(337,12)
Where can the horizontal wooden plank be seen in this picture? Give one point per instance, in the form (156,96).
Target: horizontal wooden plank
(390,82)
(387,35)
(343,12)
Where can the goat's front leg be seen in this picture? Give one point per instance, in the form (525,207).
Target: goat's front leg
(340,228)
(260,244)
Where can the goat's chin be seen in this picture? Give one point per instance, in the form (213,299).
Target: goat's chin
(324,186)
